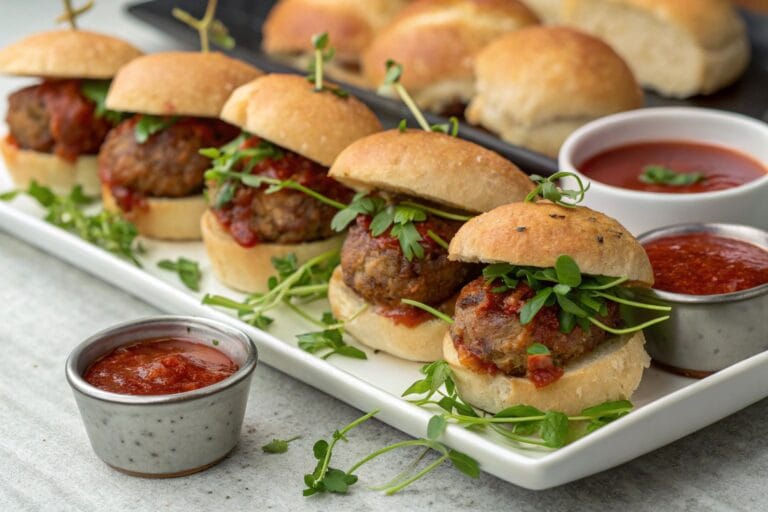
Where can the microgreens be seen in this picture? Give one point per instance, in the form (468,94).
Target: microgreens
(188,270)
(547,188)
(323,53)
(96,91)
(207,27)
(148,125)
(71,13)
(278,445)
(105,229)
(661,175)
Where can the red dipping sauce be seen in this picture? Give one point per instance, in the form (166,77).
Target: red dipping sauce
(159,366)
(722,168)
(705,264)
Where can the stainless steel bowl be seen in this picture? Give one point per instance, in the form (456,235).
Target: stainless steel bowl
(706,333)
(164,435)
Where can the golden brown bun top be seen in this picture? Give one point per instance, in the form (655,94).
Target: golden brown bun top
(350,24)
(542,73)
(434,166)
(286,110)
(536,234)
(67,54)
(178,83)
(438,39)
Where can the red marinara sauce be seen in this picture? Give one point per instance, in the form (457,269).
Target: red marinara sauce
(404,314)
(706,264)
(159,366)
(722,168)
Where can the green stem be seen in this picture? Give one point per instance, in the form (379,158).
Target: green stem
(403,93)
(438,240)
(405,472)
(515,437)
(606,286)
(318,70)
(304,315)
(327,458)
(429,309)
(627,330)
(381,451)
(439,213)
(310,289)
(627,302)
(426,470)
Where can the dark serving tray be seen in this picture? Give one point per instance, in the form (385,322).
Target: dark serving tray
(244,18)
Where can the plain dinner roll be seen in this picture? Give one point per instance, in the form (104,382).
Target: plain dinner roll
(547,10)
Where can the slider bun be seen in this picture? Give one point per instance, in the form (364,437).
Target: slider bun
(350,25)
(420,343)
(529,234)
(677,47)
(286,110)
(611,372)
(548,11)
(433,166)
(178,83)
(537,85)
(247,268)
(436,42)
(67,54)
(49,170)
(166,218)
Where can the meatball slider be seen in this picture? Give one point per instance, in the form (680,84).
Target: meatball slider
(150,165)
(422,186)
(541,326)
(57,126)
(292,132)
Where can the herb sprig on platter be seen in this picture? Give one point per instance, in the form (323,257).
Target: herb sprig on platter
(188,271)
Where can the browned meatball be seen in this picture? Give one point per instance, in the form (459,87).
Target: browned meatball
(488,325)
(377,270)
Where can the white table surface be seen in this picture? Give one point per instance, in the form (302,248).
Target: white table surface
(46,463)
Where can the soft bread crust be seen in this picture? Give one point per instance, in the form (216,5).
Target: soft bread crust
(350,24)
(536,85)
(178,83)
(677,47)
(421,343)
(548,11)
(286,110)
(433,166)
(436,42)
(536,234)
(67,54)
(247,269)
(26,166)
(611,372)
(166,218)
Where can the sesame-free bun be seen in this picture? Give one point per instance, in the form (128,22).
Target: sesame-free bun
(49,170)
(537,85)
(677,47)
(247,269)
(178,83)
(434,166)
(536,234)
(67,54)
(286,110)
(421,343)
(166,218)
(436,42)
(611,372)
(548,11)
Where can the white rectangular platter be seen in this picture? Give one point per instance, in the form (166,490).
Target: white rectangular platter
(668,407)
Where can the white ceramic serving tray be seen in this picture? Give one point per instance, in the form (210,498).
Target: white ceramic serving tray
(668,407)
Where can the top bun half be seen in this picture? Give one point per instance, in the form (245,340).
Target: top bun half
(536,234)
(286,110)
(434,166)
(178,83)
(67,54)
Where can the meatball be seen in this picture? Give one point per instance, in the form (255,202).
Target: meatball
(488,326)
(168,164)
(28,120)
(377,270)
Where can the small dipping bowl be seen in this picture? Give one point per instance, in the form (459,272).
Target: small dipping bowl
(164,435)
(705,333)
(641,211)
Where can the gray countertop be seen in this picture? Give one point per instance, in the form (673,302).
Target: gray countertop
(46,462)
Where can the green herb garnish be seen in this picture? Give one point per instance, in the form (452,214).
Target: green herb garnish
(207,27)
(538,349)
(278,445)
(323,53)
(331,341)
(149,125)
(71,13)
(429,309)
(547,188)
(96,91)
(188,270)
(661,175)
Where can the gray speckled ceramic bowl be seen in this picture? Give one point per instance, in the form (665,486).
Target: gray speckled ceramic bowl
(164,435)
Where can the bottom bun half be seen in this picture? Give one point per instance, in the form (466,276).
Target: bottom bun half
(421,343)
(49,170)
(166,218)
(247,269)
(611,372)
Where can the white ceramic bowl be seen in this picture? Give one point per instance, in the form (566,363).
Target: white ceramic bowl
(643,211)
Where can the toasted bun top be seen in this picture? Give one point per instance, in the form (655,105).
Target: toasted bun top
(434,166)
(538,74)
(536,234)
(286,110)
(67,54)
(350,24)
(437,40)
(178,83)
